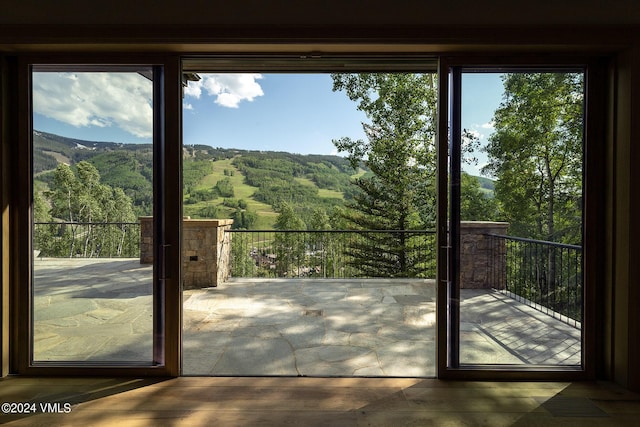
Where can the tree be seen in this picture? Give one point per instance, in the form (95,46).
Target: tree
(244,219)
(324,246)
(242,264)
(89,210)
(400,152)
(43,233)
(474,204)
(536,155)
(64,203)
(289,247)
(225,187)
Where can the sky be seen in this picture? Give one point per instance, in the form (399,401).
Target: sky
(296,113)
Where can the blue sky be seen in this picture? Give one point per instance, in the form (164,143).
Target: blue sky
(296,113)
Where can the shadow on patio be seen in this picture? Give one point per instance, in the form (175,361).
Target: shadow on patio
(292,327)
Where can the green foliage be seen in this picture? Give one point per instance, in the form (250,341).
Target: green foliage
(400,153)
(289,247)
(231,203)
(242,265)
(244,219)
(130,170)
(304,181)
(202,195)
(475,205)
(225,188)
(536,155)
(192,173)
(84,206)
(282,177)
(486,184)
(208,212)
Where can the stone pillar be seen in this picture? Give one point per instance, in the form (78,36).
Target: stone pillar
(206,256)
(146,239)
(207,252)
(482,259)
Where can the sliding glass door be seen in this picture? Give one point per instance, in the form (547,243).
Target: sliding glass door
(100,259)
(515,277)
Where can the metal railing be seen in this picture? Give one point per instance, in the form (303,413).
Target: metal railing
(544,275)
(333,253)
(87,239)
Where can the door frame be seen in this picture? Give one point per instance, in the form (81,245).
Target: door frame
(449,103)
(167,225)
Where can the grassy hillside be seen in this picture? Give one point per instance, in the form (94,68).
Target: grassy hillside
(218,183)
(241,190)
(487,186)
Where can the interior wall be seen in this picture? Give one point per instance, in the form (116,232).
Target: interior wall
(442,23)
(622,317)
(4,220)
(633,301)
(323,13)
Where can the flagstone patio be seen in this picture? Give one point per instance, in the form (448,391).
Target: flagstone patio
(101,309)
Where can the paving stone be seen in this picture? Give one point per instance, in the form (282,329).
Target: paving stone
(332,337)
(254,326)
(258,332)
(372,341)
(304,332)
(73,348)
(64,309)
(256,357)
(420,315)
(408,359)
(338,360)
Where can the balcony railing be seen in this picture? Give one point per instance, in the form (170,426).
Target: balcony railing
(544,275)
(87,239)
(333,253)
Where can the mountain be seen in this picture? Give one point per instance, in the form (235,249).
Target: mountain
(258,181)
(217,182)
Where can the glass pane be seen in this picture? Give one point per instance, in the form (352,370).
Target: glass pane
(92,296)
(521,218)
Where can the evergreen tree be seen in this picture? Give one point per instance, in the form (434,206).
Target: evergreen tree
(400,153)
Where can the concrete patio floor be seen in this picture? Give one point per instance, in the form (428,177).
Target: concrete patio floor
(101,309)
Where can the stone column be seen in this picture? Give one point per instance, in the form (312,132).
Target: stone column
(482,259)
(146,239)
(206,256)
(207,252)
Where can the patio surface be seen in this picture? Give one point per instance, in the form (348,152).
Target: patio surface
(101,309)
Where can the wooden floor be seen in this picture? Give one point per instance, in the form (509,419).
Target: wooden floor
(246,401)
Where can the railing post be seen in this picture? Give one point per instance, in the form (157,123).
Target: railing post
(483,261)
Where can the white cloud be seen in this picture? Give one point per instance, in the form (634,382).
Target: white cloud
(187,106)
(229,89)
(193,89)
(96,99)
(488,125)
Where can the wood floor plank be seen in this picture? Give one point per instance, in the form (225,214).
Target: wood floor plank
(278,401)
